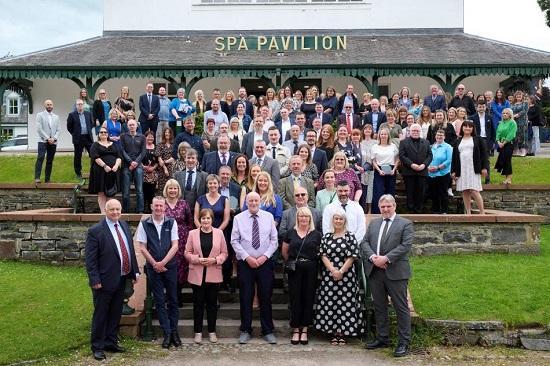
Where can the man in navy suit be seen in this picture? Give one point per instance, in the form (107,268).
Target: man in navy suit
(319,157)
(249,108)
(349,119)
(110,261)
(79,124)
(149,107)
(434,100)
(375,117)
(258,133)
(213,160)
(324,117)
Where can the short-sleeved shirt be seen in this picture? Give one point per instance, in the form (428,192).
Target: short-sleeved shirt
(141,236)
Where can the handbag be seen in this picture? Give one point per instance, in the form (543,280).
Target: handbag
(111,185)
(290,265)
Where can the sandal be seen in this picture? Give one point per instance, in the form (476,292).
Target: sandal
(295,341)
(334,341)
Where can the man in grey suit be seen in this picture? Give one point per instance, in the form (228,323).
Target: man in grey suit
(47,126)
(296,179)
(250,138)
(267,164)
(385,250)
(191,180)
(289,215)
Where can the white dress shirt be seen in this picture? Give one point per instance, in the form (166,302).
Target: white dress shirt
(354,215)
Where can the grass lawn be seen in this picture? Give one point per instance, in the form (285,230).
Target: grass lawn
(527,170)
(510,288)
(20,168)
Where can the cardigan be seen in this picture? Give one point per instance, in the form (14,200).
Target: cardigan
(480,156)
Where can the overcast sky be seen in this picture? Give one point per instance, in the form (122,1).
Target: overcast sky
(33,25)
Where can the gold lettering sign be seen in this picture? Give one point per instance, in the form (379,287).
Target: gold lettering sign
(280,43)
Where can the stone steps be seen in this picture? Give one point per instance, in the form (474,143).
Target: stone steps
(232,311)
(225,328)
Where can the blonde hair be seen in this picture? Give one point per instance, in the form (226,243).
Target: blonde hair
(171,183)
(339,154)
(305,211)
(268,198)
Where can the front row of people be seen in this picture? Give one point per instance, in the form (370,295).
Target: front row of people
(338,310)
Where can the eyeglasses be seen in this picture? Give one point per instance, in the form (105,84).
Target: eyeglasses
(348,107)
(102,132)
(299,195)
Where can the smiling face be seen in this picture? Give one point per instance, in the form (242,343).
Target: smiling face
(329,179)
(206,221)
(342,133)
(300,196)
(172,191)
(212,185)
(387,208)
(241,163)
(304,153)
(113,210)
(255,171)
(339,222)
(262,183)
(158,207)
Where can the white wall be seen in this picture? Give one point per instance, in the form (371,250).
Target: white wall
(135,15)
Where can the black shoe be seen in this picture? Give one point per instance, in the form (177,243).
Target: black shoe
(99,355)
(175,338)
(166,342)
(401,350)
(115,349)
(377,344)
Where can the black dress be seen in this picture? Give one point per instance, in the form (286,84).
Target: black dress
(99,179)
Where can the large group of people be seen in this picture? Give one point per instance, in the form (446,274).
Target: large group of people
(279,177)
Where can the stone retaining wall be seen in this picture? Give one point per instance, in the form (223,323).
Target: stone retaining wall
(56,236)
(52,236)
(17,197)
(522,198)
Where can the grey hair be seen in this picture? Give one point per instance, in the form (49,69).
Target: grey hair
(182,90)
(388,198)
(338,212)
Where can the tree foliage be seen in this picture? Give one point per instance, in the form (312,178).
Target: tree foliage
(545,7)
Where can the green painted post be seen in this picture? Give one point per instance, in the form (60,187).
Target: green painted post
(147,332)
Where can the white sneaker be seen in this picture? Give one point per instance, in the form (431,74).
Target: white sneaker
(450,192)
(198,338)
(213,337)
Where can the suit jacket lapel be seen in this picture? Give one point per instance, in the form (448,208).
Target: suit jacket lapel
(390,231)
(111,239)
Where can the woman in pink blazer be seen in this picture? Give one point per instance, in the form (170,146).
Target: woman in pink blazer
(205,251)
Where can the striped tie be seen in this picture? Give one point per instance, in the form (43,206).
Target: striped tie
(255,232)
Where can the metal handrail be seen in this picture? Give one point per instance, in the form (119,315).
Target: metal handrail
(369,306)
(147,334)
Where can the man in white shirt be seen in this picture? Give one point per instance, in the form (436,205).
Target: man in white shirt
(285,123)
(277,151)
(158,238)
(354,213)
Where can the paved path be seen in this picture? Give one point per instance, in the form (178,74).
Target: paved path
(322,354)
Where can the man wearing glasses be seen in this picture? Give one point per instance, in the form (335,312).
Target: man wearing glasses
(349,119)
(462,100)
(288,221)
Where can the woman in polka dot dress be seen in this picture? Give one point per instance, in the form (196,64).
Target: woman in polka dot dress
(338,311)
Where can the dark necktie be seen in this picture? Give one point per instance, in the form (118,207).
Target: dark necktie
(189,183)
(273,152)
(259,161)
(385,230)
(123,252)
(224,160)
(344,206)
(295,147)
(255,232)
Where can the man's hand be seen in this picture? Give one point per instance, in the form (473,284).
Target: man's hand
(261,260)
(380,261)
(151,116)
(97,286)
(252,262)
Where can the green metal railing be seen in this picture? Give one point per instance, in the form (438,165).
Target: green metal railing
(368,304)
(147,333)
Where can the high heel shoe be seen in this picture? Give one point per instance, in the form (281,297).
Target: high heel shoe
(295,341)
(303,337)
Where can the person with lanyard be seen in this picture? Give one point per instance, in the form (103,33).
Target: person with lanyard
(157,237)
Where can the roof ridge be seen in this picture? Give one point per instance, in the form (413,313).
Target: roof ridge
(547,53)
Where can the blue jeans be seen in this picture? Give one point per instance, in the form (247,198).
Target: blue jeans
(43,148)
(135,176)
(382,185)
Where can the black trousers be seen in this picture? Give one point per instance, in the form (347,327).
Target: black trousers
(44,150)
(148,195)
(438,193)
(415,186)
(503,164)
(164,288)
(263,276)
(302,284)
(84,142)
(106,316)
(380,287)
(149,125)
(205,296)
